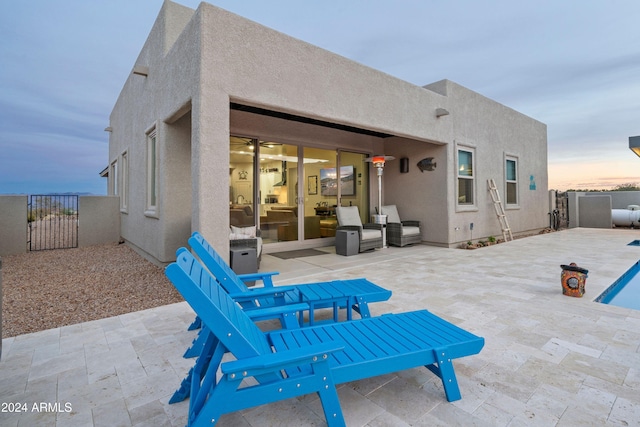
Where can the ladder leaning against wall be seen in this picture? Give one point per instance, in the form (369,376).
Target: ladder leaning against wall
(497,204)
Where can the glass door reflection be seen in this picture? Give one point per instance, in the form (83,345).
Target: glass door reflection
(354,182)
(279,192)
(320,193)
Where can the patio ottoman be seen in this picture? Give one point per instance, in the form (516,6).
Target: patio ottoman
(243,261)
(347,242)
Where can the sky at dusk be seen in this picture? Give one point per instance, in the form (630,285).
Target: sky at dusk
(573,65)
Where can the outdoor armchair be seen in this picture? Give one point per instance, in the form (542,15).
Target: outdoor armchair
(400,233)
(370,235)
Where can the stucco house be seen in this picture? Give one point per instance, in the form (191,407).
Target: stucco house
(226,122)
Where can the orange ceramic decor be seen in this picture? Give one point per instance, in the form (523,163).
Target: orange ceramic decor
(573,279)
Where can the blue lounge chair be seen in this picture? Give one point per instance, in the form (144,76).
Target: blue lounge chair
(269,301)
(351,294)
(289,363)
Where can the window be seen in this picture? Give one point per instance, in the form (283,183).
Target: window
(124,183)
(465,177)
(511,175)
(114,178)
(152,173)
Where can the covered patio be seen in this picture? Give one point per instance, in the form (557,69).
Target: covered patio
(548,359)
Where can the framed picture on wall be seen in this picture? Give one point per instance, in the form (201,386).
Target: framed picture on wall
(312,184)
(329,181)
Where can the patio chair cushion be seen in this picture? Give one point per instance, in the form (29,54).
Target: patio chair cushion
(245,232)
(348,215)
(369,234)
(391,211)
(410,231)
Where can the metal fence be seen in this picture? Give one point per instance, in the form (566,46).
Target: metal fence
(560,216)
(53,222)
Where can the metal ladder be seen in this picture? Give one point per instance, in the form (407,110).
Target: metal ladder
(497,204)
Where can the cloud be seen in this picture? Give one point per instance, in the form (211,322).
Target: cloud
(64,65)
(573,68)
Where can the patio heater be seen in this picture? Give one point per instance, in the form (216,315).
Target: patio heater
(378,162)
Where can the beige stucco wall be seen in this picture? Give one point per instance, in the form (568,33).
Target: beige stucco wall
(619,199)
(256,65)
(160,100)
(420,196)
(583,210)
(98,220)
(273,70)
(495,131)
(595,211)
(13,225)
(200,61)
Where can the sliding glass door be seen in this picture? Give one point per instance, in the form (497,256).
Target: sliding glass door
(279,192)
(354,171)
(290,192)
(320,194)
(242,182)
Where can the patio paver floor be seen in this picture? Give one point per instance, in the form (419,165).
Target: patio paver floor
(548,359)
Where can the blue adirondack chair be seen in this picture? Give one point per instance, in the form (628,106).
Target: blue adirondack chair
(351,294)
(269,302)
(289,363)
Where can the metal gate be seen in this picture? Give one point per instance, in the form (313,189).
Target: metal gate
(53,222)
(560,215)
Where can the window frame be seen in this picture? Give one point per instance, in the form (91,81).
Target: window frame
(124,182)
(114,177)
(152,178)
(471,205)
(511,182)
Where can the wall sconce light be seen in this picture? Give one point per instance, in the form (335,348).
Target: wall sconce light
(426,164)
(634,144)
(141,70)
(441,112)
(404,165)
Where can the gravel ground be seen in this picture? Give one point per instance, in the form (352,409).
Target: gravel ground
(48,289)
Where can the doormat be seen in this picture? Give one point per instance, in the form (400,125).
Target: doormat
(298,254)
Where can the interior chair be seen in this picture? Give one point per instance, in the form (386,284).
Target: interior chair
(286,221)
(400,233)
(370,235)
(241,216)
